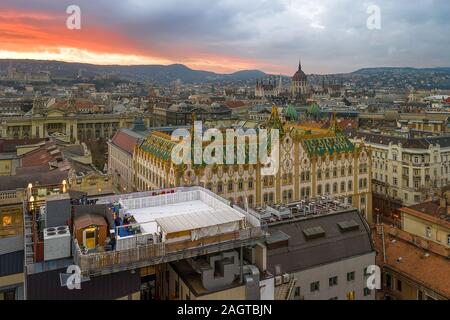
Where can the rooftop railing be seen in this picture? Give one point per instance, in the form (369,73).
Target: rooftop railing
(156,253)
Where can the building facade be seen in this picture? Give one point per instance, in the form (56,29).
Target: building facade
(406,171)
(313,162)
(77,127)
(309,243)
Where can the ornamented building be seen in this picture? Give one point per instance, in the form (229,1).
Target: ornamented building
(299,86)
(69,120)
(268,89)
(313,162)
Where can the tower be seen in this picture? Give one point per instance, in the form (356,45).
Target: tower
(299,86)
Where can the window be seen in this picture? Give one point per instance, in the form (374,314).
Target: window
(428,232)
(333,281)
(6,221)
(366,292)
(388,280)
(351,295)
(351,276)
(319,189)
(297,292)
(219,187)
(250,184)
(350,185)
(240,185)
(366,274)
(230,186)
(419,295)
(8,295)
(315,286)
(399,285)
(250,200)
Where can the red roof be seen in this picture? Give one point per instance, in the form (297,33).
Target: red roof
(41,156)
(448,100)
(234,104)
(124,141)
(79,104)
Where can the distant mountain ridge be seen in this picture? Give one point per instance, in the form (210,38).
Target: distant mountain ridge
(156,73)
(377,70)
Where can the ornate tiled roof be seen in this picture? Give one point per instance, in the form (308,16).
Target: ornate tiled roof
(159,145)
(332,144)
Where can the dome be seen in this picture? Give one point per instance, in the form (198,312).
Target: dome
(299,75)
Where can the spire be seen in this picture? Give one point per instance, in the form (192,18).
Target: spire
(299,65)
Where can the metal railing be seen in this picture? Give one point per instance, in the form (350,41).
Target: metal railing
(156,253)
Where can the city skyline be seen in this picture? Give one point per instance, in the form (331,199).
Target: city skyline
(228,36)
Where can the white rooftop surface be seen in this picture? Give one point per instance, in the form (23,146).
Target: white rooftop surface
(186,215)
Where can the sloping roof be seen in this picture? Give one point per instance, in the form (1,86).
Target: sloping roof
(11,263)
(125,141)
(159,145)
(234,104)
(47,286)
(302,253)
(431,271)
(431,211)
(87,220)
(10,145)
(333,144)
(416,143)
(42,177)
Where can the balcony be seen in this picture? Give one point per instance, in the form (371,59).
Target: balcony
(154,254)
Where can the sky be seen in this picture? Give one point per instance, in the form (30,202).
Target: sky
(329,36)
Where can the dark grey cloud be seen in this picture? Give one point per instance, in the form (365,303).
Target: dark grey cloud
(329,35)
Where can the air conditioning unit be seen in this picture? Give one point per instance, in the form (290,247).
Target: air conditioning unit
(278,281)
(286,278)
(56,243)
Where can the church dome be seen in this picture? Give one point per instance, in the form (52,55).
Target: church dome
(299,75)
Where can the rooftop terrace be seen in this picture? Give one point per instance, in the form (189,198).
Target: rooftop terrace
(169,225)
